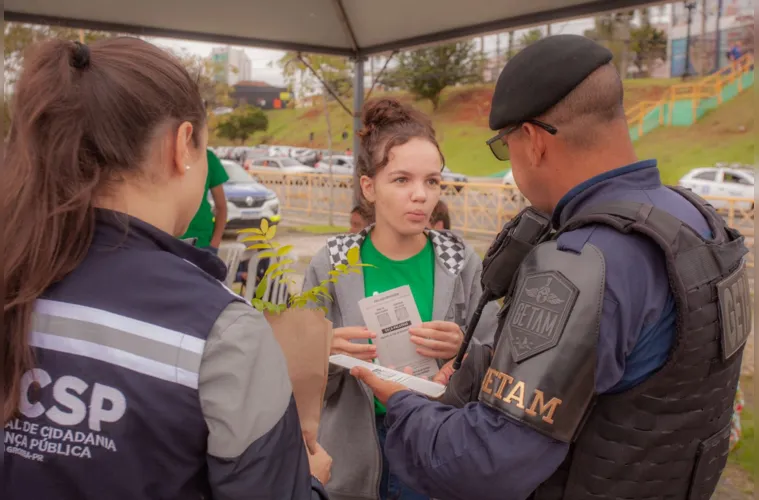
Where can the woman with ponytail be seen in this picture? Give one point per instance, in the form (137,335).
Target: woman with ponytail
(129,371)
(399,166)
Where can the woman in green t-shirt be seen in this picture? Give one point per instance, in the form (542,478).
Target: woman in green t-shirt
(399,166)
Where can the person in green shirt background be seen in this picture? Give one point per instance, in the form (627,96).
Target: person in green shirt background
(208,224)
(399,165)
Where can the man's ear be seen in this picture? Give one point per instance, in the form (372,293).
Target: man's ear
(367,188)
(536,147)
(183,147)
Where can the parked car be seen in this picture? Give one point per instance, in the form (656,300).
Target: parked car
(341,165)
(308,156)
(451,176)
(274,169)
(736,181)
(248,202)
(284,151)
(508,180)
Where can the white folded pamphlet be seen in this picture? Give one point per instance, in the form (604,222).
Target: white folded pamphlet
(390,315)
(416,384)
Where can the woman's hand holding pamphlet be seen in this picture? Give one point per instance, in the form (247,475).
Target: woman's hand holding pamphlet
(389,316)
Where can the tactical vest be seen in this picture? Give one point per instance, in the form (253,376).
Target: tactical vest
(668,437)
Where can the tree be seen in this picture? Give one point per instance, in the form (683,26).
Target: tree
(614,32)
(532,36)
(336,71)
(242,123)
(426,72)
(19,37)
(204,71)
(647,44)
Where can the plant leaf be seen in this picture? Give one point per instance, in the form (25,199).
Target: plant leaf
(353,256)
(259,246)
(277,265)
(252,230)
(284,250)
(255,237)
(355,270)
(261,289)
(264,226)
(334,273)
(271,233)
(332,280)
(279,272)
(341,267)
(267,255)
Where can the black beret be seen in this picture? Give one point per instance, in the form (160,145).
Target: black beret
(541,75)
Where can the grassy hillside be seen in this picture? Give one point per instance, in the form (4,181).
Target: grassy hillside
(461,124)
(724,134)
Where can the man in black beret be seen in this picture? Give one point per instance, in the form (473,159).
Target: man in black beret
(619,346)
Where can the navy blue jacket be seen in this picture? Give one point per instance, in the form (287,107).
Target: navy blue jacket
(476,452)
(153,381)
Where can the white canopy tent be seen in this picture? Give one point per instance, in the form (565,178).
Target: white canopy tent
(353,28)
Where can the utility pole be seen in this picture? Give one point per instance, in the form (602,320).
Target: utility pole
(690,6)
(718,37)
(704,42)
(511,45)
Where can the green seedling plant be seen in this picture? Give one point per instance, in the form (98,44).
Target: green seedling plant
(262,239)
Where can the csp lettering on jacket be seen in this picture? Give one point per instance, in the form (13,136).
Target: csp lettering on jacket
(47,431)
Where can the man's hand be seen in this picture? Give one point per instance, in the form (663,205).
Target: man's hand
(319,462)
(382,389)
(341,343)
(463,386)
(437,339)
(446,372)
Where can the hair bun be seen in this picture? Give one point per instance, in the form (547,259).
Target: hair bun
(384,112)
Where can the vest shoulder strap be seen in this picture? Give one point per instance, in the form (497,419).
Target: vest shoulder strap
(695,259)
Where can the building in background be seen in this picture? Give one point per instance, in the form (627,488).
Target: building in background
(232,65)
(736,23)
(260,94)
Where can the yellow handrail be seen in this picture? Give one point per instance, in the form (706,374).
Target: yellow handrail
(705,88)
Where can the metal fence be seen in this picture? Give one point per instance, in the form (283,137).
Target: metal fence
(475,208)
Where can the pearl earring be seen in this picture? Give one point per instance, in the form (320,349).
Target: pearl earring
(187,167)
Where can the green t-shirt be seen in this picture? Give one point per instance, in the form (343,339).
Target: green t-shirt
(201,226)
(418,272)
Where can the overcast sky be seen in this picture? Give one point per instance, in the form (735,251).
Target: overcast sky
(264,61)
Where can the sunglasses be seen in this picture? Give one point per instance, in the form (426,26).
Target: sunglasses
(498,145)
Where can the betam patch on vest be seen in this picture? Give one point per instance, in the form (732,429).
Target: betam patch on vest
(539,313)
